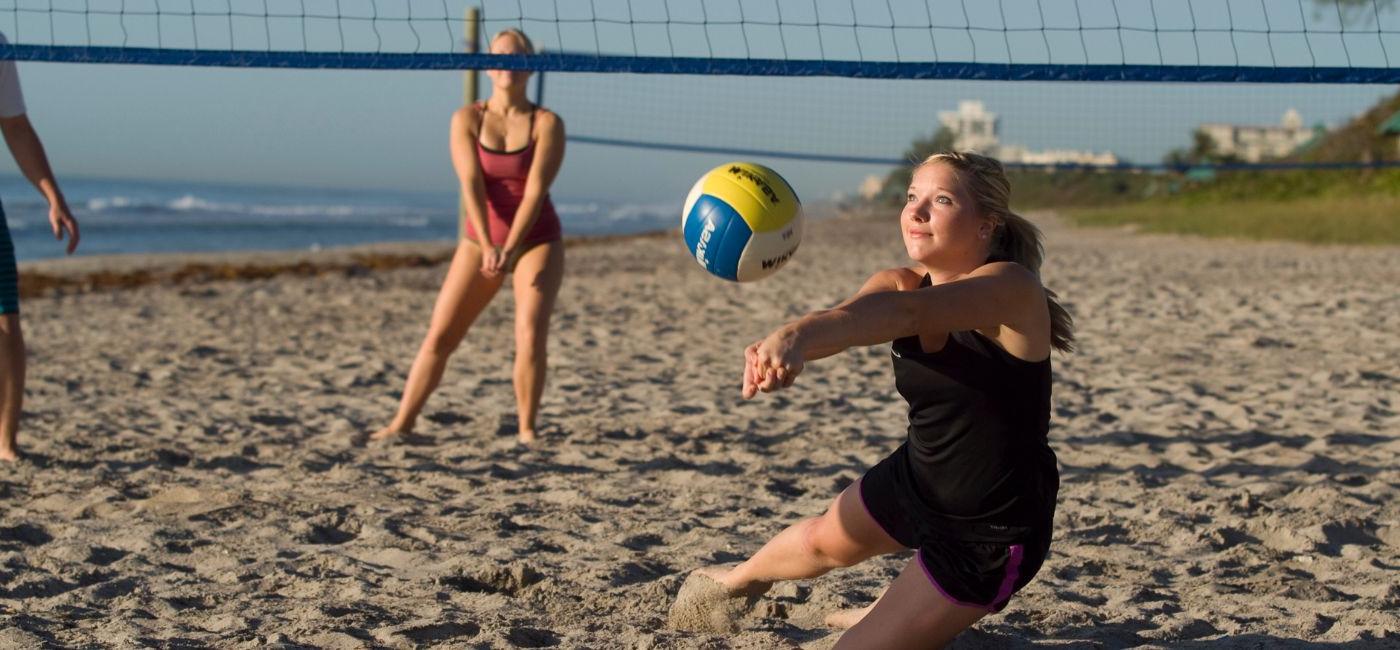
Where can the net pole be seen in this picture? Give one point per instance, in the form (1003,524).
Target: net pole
(539,88)
(472,29)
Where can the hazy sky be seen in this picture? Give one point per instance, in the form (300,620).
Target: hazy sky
(387,129)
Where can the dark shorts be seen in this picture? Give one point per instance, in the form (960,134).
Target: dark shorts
(977,567)
(9,273)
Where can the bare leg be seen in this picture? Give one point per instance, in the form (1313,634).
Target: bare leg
(847,618)
(464,294)
(11,384)
(845,535)
(912,614)
(537,277)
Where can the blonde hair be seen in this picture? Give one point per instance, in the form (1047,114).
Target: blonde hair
(519,37)
(1014,239)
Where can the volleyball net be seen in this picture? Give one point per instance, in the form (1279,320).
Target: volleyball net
(1273,41)
(1254,84)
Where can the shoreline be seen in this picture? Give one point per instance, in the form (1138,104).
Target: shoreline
(120,271)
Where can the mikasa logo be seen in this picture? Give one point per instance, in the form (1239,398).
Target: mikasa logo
(704,242)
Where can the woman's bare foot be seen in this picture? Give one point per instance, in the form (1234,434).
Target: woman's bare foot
(725,576)
(8,455)
(847,618)
(706,603)
(527,437)
(388,433)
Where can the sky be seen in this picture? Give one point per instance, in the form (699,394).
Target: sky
(387,129)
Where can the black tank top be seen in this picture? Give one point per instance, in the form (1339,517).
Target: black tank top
(977,450)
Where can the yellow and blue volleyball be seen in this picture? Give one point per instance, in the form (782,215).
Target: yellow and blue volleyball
(742,222)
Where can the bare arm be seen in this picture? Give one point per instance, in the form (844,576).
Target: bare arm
(549,156)
(995,296)
(992,296)
(886,280)
(28,152)
(759,374)
(462,137)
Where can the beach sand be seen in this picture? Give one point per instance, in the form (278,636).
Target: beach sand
(1228,437)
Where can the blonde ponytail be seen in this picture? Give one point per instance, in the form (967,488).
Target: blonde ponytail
(1015,238)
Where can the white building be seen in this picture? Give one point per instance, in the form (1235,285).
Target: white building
(1017,154)
(975,128)
(1255,143)
(870,187)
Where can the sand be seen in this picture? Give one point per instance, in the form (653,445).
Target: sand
(704,605)
(1228,438)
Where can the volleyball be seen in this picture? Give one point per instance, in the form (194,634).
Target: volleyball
(742,222)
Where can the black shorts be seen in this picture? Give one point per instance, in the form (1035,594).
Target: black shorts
(9,274)
(976,566)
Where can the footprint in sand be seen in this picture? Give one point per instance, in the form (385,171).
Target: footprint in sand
(26,534)
(529,637)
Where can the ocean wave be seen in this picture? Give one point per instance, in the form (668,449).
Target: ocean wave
(644,212)
(112,208)
(600,213)
(192,203)
(98,204)
(309,211)
(577,208)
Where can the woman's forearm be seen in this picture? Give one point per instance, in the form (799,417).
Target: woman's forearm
(525,217)
(868,320)
(28,152)
(474,200)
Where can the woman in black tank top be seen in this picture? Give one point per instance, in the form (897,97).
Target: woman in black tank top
(972,489)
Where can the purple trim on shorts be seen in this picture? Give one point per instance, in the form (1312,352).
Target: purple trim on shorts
(860,492)
(1013,571)
(919,555)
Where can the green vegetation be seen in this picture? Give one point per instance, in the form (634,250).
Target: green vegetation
(1037,189)
(1316,206)
(1362,220)
(1355,206)
(1292,185)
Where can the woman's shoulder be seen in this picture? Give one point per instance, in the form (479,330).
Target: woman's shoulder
(468,115)
(547,119)
(1010,272)
(895,279)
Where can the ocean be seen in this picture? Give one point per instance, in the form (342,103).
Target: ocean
(134,217)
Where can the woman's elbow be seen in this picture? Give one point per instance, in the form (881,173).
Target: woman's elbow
(15,125)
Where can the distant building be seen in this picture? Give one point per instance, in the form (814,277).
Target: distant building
(1018,154)
(870,187)
(1256,143)
(974,128)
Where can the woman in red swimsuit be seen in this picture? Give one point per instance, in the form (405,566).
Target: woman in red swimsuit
(506,151)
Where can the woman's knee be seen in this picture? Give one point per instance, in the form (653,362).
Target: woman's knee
(823,539)
(10,328)
(442,342)
(531,332)
(530,347)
